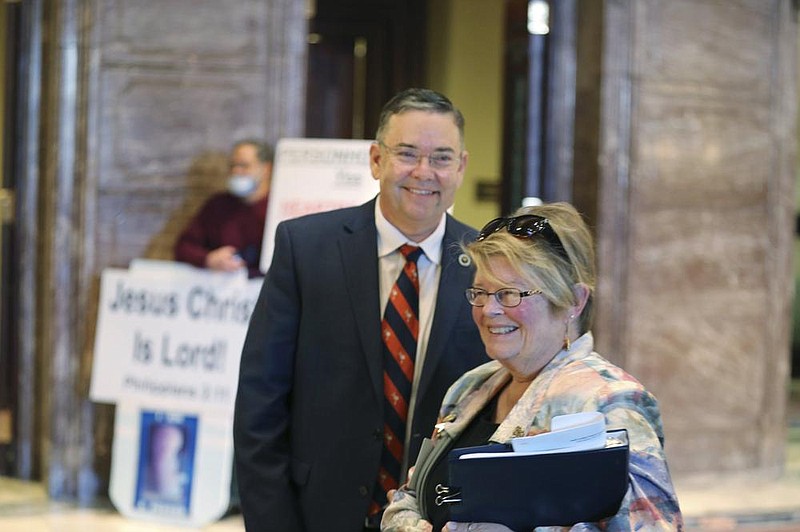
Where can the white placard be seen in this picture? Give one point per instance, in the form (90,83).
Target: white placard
(171,337)
(314,175)
(170,466)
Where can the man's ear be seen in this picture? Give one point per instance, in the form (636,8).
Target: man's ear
(375,159)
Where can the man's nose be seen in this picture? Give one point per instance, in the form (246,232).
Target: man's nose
(423,164)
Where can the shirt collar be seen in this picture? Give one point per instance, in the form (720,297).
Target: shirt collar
(390,238)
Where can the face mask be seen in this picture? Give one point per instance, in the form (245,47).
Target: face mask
(242,185)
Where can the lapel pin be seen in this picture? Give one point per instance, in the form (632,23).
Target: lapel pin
(464,260)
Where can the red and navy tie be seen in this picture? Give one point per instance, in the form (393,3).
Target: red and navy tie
(399,329)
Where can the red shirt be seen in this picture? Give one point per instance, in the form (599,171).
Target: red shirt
(224,220)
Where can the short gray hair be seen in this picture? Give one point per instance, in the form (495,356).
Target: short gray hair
(264,150)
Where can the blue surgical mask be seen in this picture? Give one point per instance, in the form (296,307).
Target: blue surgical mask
(242,185)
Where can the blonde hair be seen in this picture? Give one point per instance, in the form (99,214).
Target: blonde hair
(538,262)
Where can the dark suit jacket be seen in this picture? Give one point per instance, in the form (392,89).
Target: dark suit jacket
(309,410)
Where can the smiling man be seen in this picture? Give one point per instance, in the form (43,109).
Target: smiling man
(360,328)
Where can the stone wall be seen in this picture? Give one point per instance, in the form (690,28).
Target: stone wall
(696,220)
(143,99)
(693,111)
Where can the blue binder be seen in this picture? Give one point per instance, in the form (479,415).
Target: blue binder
(523,492)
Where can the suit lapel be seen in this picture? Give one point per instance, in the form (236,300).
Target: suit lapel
(456,275)
(358,250)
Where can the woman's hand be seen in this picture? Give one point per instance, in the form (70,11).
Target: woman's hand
(390,493)
(452,526)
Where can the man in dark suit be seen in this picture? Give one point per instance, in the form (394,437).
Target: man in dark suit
(310,424)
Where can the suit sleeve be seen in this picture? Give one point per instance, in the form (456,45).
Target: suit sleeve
(262,414)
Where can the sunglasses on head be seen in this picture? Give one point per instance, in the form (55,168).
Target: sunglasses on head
(526,226)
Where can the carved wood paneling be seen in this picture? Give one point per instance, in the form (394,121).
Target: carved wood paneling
(219,34)
(153,125)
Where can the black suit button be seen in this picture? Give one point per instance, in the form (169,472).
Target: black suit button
(377,434)
(363,491)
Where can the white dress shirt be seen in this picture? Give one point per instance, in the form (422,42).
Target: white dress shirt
(429,269)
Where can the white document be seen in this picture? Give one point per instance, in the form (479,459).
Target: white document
(583,431)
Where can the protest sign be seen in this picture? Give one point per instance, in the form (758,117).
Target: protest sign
(171,337)
(169,466)
(167,348)
(314,175)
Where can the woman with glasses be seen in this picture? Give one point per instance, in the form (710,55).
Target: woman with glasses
(532,302)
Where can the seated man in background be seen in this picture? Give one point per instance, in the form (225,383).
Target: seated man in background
(226,233)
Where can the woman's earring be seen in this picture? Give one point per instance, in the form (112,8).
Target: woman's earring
(566,333)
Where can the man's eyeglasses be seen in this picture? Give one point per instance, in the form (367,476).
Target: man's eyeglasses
(526,226)
(508,297)
(438,160)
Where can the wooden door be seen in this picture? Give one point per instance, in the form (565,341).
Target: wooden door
(360,53)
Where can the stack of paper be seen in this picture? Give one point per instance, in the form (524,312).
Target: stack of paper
(583,431)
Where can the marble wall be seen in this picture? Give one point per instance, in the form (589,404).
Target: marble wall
(686,164)
(172,86)
(142,100)
(696,220)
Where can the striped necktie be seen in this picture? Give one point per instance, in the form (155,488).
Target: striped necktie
(399,329)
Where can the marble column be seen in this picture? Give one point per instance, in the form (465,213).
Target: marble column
(696,220)
(143,101)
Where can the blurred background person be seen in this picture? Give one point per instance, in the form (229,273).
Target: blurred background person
(532,302)
(227,232)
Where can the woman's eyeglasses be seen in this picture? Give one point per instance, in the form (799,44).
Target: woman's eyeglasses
(526,226)
(508,297)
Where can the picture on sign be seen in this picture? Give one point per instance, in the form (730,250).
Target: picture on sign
(166,463)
